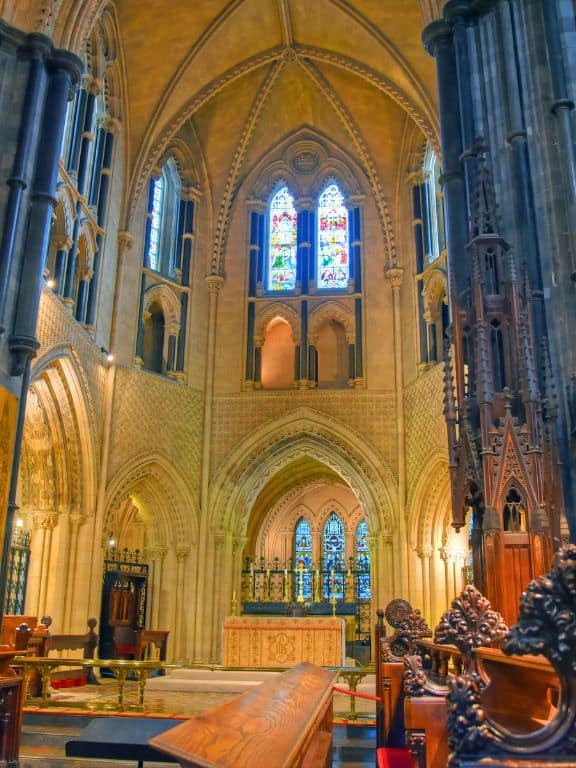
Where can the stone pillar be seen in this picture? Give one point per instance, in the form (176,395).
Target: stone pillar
(306,266)
(221,596)
(258,342)
(63,246)
(394,277)
(44,524)
(238,546)
(172,333)
(303,377)
(181,555)
(76,520)
(84,277)
(93,87)
(155,557)
(359,380)
(425,553)
(214,284)
(63,69)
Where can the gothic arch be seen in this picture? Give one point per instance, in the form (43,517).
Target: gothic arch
(167,299)
(174,521)
(64,384)
(427,504)
(65,211)
(271,312)
(332,310)
(302,433)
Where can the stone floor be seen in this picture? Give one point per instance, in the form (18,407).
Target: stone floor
(46,730)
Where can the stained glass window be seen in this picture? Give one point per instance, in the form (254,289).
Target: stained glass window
(333,251)
(156,215)
(333,556)
(283,242)
(363,589)
(303,557)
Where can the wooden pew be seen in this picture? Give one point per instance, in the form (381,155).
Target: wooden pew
(520,710)
(469,624)
(283,723)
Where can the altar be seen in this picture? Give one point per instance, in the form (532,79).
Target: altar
(259,641)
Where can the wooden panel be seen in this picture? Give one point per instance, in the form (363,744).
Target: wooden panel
(517,574)
(273,725)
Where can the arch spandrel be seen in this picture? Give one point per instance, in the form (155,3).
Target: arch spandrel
(300,434)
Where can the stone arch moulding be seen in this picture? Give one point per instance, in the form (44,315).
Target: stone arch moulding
(63,361)
(332,310)
(65,208)
(271,311)
(302,433)
(432,487)
(167,299)
(306,160)
(176,522)
(155,143)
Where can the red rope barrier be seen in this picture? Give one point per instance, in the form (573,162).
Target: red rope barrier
(347,692)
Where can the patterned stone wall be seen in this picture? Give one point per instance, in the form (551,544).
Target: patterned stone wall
(57,328)
(369,414)
(425,425)
(153,413)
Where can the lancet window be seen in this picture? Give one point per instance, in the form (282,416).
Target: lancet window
(333,250)
(333,556)
(303,555)
(283,242)
(363,587)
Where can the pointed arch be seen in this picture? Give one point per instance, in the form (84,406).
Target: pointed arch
(154,474)
(302,433)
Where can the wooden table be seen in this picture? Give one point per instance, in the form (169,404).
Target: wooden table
(258,641)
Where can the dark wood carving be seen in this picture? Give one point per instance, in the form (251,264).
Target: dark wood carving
(469,624)
(410,626)
(500,410)
(546,626)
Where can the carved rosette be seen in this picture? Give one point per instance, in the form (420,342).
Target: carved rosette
(470,623)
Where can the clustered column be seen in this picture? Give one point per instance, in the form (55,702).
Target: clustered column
(255,288)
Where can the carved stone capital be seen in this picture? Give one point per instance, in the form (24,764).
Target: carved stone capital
(394,276)
(63,243)
(45,519)
(214,283)
(125,240)
(238,543)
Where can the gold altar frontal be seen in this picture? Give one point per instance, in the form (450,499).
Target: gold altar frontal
(258,641)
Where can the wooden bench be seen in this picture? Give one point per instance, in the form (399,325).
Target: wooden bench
(283,723)
(520,710)
(120,738)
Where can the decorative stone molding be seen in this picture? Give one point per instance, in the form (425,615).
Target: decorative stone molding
(394,276)
(214,283)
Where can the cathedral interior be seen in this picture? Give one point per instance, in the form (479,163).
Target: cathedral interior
(286,291)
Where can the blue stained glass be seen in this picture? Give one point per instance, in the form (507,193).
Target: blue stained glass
(333,555)
(283,242)
(303,557)
(333,249)
(155,215)
(363,586)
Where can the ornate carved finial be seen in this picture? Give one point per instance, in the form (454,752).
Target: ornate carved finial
(470,623)
(484,216)
(485,388)
(449,393)
(549,387)
(414,680)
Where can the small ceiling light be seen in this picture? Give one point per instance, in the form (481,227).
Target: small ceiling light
(110,357)
(51,283)
(19,522)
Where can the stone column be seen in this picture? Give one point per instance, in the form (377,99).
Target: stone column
(214,284)
(181,555)
(84,277)
(63,246)
(172,333)
(306,268)
(394,277)
(76,520)
(155,557)
(238,545)
(41,552)
(425,553)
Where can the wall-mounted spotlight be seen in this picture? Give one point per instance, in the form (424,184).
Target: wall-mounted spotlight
(109,356)
(51,283)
